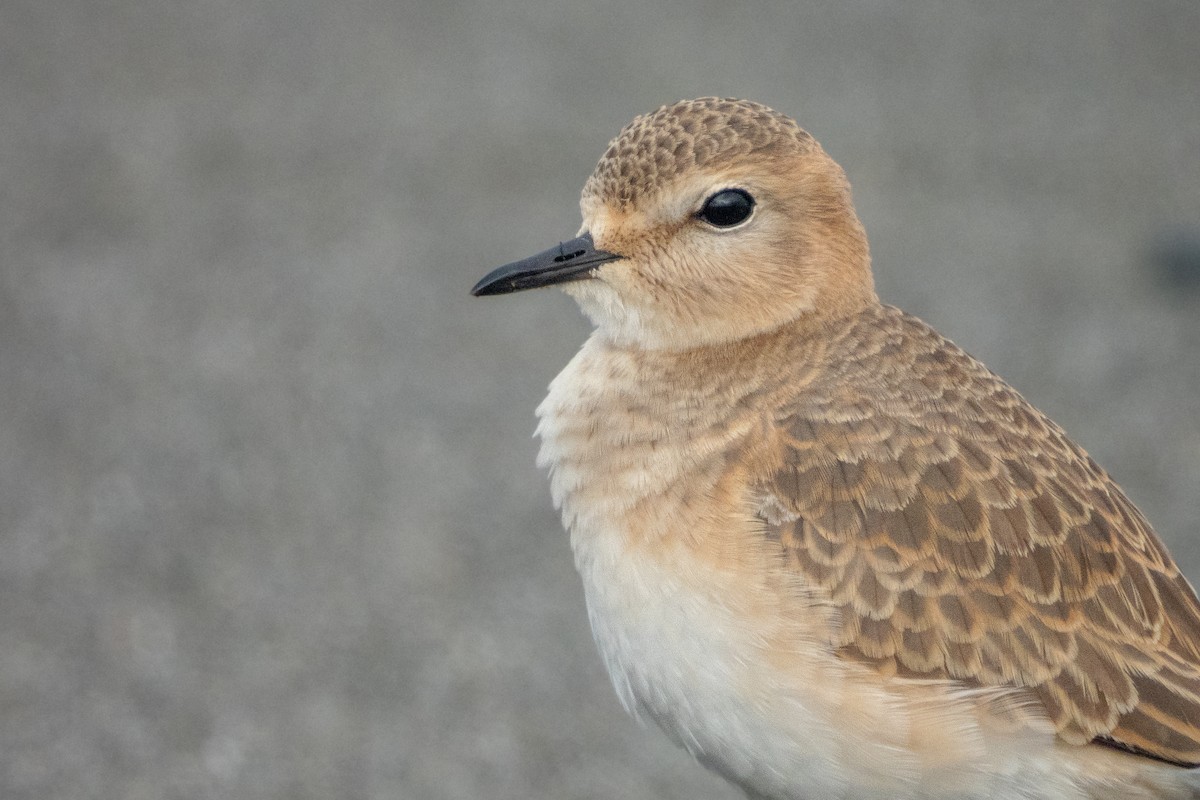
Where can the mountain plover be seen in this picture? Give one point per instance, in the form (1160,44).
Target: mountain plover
(823,548)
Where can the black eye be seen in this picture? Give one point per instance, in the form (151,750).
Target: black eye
(727,208)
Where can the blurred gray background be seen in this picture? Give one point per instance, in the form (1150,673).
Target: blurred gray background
(270,524)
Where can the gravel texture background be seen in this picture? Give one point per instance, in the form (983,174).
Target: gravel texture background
(271,526)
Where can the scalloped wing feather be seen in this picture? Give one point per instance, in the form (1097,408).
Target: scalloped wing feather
(963,535)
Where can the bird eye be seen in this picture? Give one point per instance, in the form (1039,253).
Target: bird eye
(727,208)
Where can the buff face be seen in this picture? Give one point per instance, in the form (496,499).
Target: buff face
(684,280)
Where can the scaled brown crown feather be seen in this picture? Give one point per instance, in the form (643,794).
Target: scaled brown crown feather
(655,148)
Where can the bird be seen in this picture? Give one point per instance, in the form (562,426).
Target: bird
(824,549)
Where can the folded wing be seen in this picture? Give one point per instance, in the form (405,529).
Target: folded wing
(963,535)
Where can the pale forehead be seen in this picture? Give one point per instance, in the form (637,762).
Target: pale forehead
(655,149)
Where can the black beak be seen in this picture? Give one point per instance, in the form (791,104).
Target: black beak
(570,261)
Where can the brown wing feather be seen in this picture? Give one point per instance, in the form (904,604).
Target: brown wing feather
(963,535)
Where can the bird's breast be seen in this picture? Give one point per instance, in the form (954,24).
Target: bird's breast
(701,627)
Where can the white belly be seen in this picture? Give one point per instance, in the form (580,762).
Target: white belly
(691,662)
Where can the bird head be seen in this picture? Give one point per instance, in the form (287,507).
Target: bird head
(707,221)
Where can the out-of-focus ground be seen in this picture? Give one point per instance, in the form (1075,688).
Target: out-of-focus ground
(270,524)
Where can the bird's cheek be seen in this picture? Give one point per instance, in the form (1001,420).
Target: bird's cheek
(600,297)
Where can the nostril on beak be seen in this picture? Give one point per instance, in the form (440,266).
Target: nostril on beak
(568,256)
